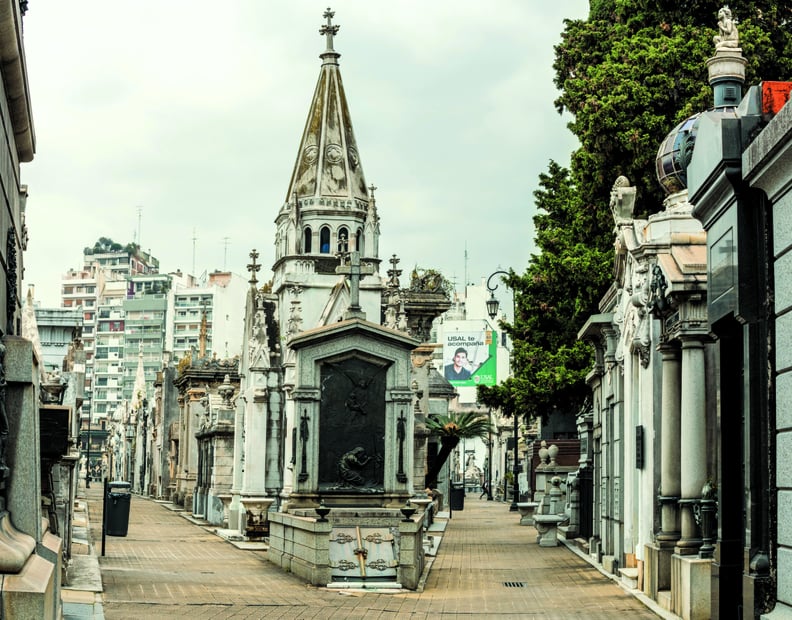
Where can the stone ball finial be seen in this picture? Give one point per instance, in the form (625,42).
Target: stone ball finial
(552,452)
(543,453)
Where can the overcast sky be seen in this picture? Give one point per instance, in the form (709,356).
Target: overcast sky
(173,120)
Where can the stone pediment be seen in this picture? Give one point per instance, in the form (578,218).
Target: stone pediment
(350,327)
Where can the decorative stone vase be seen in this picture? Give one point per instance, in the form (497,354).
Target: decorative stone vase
(527,512)
(408,510)
(256,508)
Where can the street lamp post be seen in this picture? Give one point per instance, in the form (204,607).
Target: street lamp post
(145,448)
(489,455)
(492,309)
(515,484)
(88,456)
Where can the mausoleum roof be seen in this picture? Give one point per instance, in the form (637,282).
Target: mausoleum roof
(328,164)
(439,386)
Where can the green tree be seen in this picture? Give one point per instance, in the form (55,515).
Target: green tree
(450,429)
(628,74)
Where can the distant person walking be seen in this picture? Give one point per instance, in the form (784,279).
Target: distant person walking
(484,490)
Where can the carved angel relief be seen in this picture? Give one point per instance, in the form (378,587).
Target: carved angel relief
(641,318)
(257,342)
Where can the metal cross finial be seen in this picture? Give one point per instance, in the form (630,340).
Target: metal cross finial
(329,29)
(372,188)
(356,271)
(253,267)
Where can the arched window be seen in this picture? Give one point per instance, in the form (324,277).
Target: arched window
(359,241)
(307,238)
(324,240)
(343,239)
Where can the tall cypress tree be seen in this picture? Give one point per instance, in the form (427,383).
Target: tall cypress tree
(627,74)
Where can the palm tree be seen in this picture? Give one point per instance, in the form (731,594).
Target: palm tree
(451,428)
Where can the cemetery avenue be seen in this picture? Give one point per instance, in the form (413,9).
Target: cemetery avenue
(487,565)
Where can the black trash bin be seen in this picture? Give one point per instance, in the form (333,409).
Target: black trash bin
(457,499)
(117,508)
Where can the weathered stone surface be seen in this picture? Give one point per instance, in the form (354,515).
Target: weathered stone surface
(785,518)
(15,547)
(785,568)
(784,401)
(31,593)
(783,462)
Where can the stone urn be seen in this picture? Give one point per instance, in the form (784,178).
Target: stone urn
(256,508)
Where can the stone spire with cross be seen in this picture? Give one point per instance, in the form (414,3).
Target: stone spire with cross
(328,163)
(333,206)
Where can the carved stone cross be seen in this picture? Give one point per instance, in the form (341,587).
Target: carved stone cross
(329,29)
(253,267)
(356,272)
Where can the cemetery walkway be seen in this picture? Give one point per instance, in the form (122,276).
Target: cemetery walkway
(487,566)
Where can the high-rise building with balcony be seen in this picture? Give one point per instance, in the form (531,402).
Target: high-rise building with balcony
(222,300)
(98,290)
(145,310)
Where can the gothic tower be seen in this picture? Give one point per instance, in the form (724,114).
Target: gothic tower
(328,211)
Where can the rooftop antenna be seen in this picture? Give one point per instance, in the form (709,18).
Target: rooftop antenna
(225,251)
(194,239)
(465,283)
(140,212)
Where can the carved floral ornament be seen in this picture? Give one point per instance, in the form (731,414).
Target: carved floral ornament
(310,154)
(632,313)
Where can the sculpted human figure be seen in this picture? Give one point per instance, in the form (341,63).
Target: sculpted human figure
(356,401)
(728,36)
(350,464)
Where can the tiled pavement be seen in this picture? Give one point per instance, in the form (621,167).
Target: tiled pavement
(168,567)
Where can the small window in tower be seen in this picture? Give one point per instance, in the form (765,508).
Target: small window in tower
(324,240)
(359,241)
(307,240)
(343,239)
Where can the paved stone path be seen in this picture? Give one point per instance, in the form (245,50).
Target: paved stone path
(168,567)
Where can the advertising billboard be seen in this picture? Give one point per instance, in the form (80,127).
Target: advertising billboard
(469,354)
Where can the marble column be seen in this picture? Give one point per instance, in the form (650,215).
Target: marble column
(693,442)
(234,522)
(274,460)
(255,442)
(670,446)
